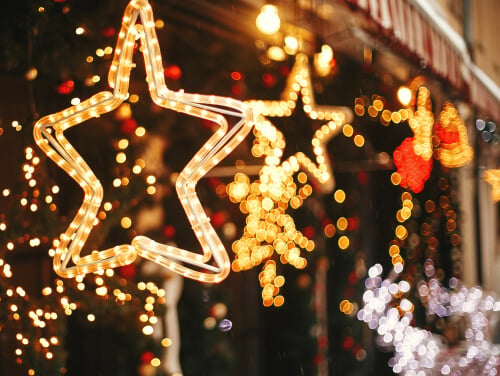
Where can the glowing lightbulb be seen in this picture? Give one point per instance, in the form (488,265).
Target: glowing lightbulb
(268,20)
(291,44)
(276,53)
(404,95)
(323,59)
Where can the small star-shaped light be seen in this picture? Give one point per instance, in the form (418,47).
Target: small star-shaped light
(49,135)
(299,83)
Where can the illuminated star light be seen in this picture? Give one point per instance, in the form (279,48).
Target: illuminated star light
(49,135)
(299,83)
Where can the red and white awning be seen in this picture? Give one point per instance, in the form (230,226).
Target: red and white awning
(418,28)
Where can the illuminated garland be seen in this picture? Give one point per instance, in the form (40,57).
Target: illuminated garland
(49,135)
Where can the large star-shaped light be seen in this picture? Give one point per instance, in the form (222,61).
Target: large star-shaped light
(299,83)
(49,135)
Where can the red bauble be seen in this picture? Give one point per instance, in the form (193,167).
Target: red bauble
(413,169)
(66,87)
(128,271)
(218,219)
(173,72)
(108,32)
(348,343)
(445,135)
(146,357)
(309,232)
(269,80)
(169,231)
(128,126)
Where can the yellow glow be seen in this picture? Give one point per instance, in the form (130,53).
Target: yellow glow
(342,223)
(348,130)
(404,95)
(493,178)
(339,196)
(155,362)
(49,136)
(458,153)
(343,242)
(395,178)
(268,21)
(359,140)
(401,232)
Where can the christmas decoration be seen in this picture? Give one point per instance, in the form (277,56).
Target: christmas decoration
(454,149)
(414,164)
(419,351)
(268,228)
(299,83)
(49,135)
(493,178)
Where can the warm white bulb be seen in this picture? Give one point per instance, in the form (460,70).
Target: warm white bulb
(276,53)
(291,44)
(404,95)
(323,59)
(268,20)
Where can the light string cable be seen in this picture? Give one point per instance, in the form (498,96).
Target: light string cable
(219,145)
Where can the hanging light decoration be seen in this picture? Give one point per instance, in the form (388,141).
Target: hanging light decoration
(404,95)
(268,21)
(324,61)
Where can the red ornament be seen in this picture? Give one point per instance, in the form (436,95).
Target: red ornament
(173,72)
(128,271)
(362,177)
(353,277)
(109,32)
(352,223)
(284,70)
(169,231)
(236,76)
(318,359)
(348,343)
(236,90)
(322,342)
(309,232)
(269,80)
(66,87)
(413,169)
(147,357)
(446,136)
(218,219)
(128,126)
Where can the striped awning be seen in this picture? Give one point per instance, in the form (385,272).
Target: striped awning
(418,28)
